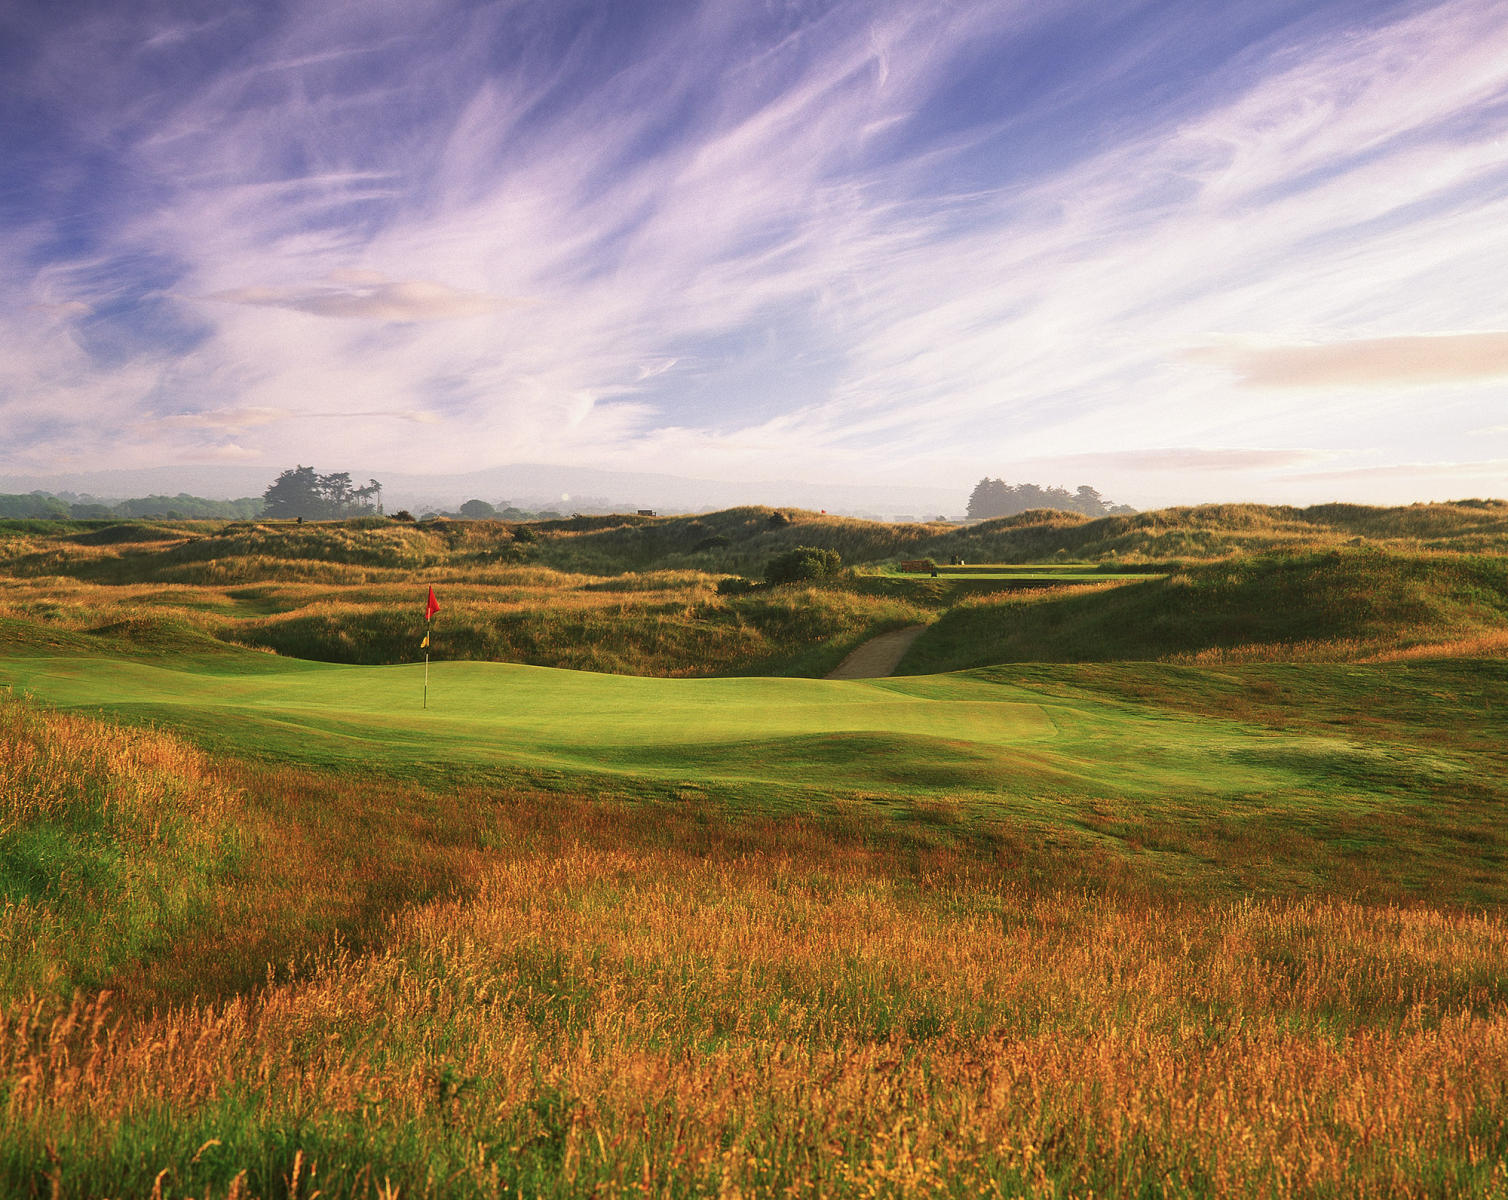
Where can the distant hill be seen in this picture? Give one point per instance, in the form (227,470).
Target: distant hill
(526,485)
(48,506)
(742,539)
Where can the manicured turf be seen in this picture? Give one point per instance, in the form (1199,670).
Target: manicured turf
(1033,573)
(1076,571)
(1328,761)
(1039,575)
(958,733)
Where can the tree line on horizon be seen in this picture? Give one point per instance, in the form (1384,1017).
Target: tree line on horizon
(302,492)
(996,498)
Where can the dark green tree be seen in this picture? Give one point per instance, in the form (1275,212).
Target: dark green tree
(996,498)
(990,498)
(295,493)
(303,492)
(1089,502)
(32,504)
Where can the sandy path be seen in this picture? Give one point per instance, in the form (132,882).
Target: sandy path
(877,657)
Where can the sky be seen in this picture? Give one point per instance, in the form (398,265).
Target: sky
(1176,250)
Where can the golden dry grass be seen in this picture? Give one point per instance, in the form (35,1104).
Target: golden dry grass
(1490,644)
(109,839)
(658,623)
(620,1020)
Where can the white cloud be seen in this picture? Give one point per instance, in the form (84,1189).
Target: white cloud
(229,452)
(1370,362)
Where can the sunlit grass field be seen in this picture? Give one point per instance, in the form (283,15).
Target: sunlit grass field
(1192,911)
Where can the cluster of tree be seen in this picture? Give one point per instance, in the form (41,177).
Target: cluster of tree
(480,510)
(996,498)
(304,493)
(69,506)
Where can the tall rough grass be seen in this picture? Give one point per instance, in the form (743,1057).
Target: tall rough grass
(659,623)
(632,1020)
(635,595)
(111,841)
(743,539)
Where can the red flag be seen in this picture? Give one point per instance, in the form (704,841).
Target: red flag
(431,606)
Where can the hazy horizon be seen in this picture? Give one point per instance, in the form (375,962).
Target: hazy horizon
(1179,252)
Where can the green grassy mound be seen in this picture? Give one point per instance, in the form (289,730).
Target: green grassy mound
(1343,604)
(127,532)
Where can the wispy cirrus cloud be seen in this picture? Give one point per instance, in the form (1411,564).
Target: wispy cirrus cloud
(1176,459)
(239,420)
(367,295)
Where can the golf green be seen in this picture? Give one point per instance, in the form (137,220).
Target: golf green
(962,736)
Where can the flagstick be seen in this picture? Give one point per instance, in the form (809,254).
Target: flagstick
(431,607)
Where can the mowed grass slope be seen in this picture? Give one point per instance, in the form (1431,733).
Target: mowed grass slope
(1339,605)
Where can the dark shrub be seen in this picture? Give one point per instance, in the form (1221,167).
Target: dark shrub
(803,563)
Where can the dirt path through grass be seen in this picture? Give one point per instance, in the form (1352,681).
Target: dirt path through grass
(879,656)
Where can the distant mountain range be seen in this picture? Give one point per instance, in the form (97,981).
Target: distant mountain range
(525,485)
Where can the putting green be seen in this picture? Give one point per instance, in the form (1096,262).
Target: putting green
(958,735)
